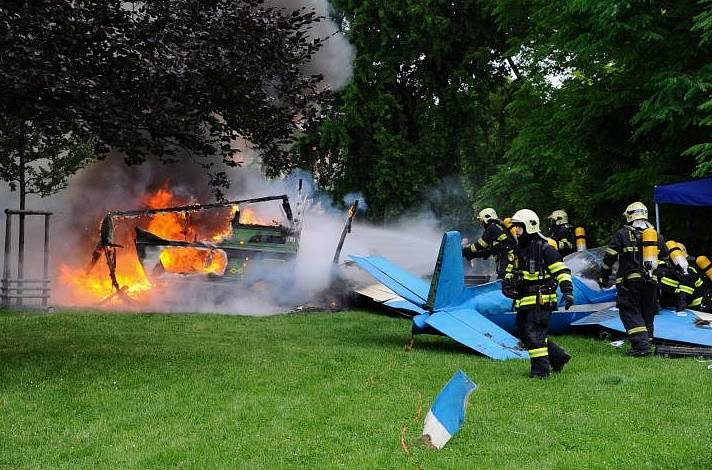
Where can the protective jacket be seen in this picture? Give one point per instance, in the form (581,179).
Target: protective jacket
(495,241)
(626,248)
(565,239)
(701,286)
(533,274)
(637,296)
(530,280)
(669,277)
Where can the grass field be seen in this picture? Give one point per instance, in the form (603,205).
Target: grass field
(325,391)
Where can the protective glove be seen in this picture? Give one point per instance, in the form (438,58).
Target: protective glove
(681,303)
(509,290)
(469,254)
(604,280)
(568,301)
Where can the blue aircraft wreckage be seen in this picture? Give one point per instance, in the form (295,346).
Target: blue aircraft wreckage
(481,317)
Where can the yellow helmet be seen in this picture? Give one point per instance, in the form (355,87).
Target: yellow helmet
(530,220)
(636,211)
(559,217)
(486,215)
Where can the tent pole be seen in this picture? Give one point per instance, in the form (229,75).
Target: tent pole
(657,217)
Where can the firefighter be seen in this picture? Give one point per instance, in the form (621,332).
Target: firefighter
(562,232)
(695,283)
(669,275)
(531,280)
(676,278)
(496,241)
(637,248)
(702,297)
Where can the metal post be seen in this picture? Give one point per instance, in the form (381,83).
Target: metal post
(6,263)
(45,266)
(21,288)
(20,257)
(657,218)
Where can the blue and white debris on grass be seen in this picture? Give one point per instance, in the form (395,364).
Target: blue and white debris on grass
(447,412)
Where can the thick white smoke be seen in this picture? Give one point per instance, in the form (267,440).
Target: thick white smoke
(334,59)
(109,185)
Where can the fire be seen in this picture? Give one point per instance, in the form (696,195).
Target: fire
(250,217)
(95,287)
(170,226)
(173,226)
(191,260)
(91,288)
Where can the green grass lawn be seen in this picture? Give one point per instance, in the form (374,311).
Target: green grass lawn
(325,391)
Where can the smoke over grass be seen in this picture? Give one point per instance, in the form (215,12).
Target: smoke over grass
(110,185)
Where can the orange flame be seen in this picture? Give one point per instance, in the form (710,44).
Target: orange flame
(192,260)
(94,287)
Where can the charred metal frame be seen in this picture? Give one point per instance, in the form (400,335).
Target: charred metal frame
(107,247)
(17,289)
(107,222)
(347,229)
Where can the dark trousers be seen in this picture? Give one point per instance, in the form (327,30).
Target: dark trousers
(532,325)
(667,298)
(637,304)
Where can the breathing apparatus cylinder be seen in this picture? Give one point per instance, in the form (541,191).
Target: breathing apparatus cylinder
(650,248)
(705,266)
(580,235)
(677,256)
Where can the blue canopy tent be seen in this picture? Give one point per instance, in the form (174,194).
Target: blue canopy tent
(688,193)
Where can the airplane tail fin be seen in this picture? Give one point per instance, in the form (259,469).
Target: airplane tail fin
(448,281)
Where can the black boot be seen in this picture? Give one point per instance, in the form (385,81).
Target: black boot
(639,345)
(540,368)
(558,357)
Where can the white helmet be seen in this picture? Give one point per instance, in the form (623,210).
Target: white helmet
(486,215)
(530,220)
(636,211)
(559,217)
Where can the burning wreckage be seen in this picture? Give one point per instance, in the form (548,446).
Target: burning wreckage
(237,248)
(249,251)
(245,253)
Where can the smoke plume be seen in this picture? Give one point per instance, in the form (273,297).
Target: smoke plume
(110,185)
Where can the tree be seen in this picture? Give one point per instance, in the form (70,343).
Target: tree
(613,99)
(174,79)
(37,162)
(419,108)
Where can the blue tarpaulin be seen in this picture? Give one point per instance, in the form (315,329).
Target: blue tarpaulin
(687,193)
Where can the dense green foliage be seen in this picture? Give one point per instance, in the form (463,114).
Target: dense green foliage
(174,80)
(324,391)
(422,103)
(545,104)
(38,161)
(580,104)
(615,98)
